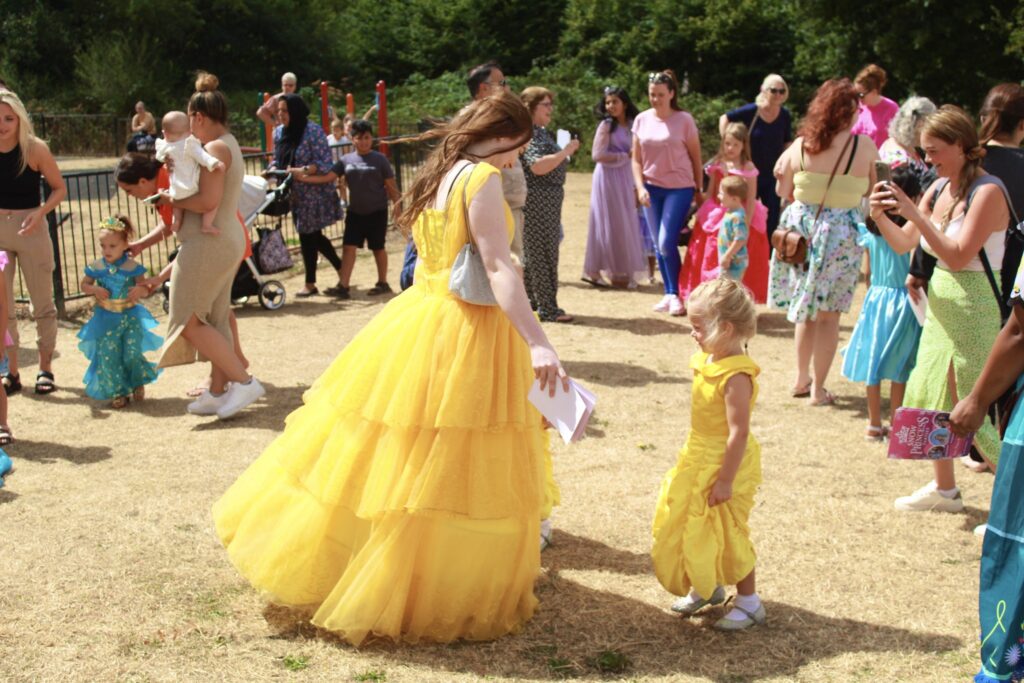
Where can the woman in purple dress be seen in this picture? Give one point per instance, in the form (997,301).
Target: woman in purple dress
(614,244)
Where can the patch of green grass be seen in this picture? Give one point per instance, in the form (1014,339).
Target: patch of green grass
(209,606)
(295,662)
(645,446)
(374,676)
(610,662)
(561,667)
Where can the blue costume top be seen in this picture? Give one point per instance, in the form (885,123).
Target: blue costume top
(118,335)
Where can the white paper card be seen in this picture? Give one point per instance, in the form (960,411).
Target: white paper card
(562,137)
(920,307)
(568,412)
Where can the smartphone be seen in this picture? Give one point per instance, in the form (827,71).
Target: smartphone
(882,172)
(152,199)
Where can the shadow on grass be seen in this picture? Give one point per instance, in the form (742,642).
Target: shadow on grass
(575,625)
(775,324)
(313,306)
(973,517)
(267,413)
(7,496)
(569,551)
(612,374)
(45,452)
(644,327)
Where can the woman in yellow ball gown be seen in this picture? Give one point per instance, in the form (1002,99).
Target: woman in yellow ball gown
(403,499)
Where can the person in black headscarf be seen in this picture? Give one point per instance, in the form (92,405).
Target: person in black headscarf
(300,146)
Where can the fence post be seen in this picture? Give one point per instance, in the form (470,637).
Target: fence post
(396,159)
(58,281)
(382,114)
(325,121)
(350,104)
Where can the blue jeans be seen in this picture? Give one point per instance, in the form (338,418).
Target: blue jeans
(666,217)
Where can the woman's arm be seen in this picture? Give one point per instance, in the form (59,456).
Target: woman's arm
(903,238)
(599,150)
(783,171)
(211,185)
(738,391)
(1002,368)
(154,236)
(642,195)
(547,164)
(723,121)
(693,147)
(41,159)
(487,226)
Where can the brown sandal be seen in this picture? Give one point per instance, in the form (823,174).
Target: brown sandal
(119,402)
(139,394)
(6,437)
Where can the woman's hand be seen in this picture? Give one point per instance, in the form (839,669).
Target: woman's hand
(163,198)
(721,491)
(882,199)
(967,416)
(548,369)
(571,148)
(32,222)
(643,197)
(916,285)
(136,248)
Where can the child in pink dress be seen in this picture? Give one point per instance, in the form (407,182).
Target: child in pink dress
(701,262)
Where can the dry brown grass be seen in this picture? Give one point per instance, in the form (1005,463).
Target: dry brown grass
(110,569)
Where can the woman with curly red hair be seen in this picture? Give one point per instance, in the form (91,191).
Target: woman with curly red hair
(824,174)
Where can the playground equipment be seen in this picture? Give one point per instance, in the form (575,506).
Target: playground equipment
(324,91)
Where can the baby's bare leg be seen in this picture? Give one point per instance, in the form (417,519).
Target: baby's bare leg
(176,216)
(208,227)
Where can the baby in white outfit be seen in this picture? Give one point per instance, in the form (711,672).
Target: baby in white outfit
(187,155)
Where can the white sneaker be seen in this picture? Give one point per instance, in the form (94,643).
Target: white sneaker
(207,403)
(980,530)
(545,534)
(663,305)
(239,396)
(927,498)
(676,307)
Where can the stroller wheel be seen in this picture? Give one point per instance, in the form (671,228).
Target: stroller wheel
(272,295)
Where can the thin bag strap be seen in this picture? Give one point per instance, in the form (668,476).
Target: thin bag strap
(1004,310)
(465,206)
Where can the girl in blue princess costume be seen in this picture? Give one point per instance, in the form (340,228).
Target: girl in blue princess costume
(884,341)
(119,333)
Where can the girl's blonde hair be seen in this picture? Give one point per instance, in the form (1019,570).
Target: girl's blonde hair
(762,97)
(26,134)
(721,301)
(737,130)
(954,126)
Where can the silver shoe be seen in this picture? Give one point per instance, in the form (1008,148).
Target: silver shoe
(754,618)
(687,608)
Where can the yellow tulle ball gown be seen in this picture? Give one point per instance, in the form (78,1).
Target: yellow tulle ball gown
(403,499)
(696,545)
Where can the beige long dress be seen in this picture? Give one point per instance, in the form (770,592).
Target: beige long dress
(205,267)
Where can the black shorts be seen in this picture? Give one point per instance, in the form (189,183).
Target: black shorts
(370,228)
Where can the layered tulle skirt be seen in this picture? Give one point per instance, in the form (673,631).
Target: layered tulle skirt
(403,499)
(701,261)
(115,343)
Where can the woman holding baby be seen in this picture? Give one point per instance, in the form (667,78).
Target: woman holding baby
(199,321)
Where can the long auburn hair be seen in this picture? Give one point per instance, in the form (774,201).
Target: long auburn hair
(502,115)
(830,112)
(954,126)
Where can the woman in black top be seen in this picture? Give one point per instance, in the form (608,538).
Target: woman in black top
(24,234)
(770,135)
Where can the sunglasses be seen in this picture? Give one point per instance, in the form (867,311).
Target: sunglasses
(659,77)
(610,89)
(776,91)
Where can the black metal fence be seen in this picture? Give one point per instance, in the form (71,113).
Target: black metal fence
(83,134)
(94,195)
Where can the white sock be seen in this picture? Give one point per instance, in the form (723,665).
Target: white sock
(948,493)
(748,602)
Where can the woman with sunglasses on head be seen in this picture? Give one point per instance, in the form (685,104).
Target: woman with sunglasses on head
(667,170)
(876,111)
(614,245)
(770,127)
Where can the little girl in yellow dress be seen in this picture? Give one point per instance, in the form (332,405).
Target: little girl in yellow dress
(701,533)
(404,498)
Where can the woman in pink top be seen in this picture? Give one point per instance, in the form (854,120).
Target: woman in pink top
(667,170)
(875,111)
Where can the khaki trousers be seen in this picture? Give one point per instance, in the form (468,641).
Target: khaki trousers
(34,253)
